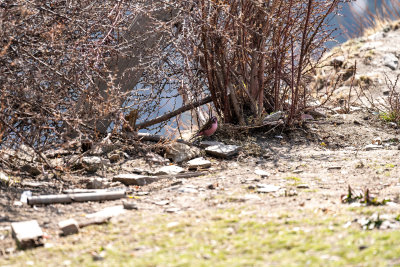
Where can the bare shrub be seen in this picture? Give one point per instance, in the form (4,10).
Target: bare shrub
(253,57)
(86,68)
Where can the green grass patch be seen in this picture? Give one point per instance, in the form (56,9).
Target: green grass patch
(234,237)
(293,178)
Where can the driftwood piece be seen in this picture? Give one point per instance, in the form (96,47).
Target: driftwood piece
(140,180)
(69,198)
(174,113)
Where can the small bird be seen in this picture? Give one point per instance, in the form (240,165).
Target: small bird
(209,128)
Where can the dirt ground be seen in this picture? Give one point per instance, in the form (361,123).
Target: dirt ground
(316,162)
(313,165)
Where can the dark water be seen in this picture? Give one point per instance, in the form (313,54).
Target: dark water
(353,18)
(359,14)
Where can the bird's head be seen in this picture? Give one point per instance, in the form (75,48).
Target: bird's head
(214,119)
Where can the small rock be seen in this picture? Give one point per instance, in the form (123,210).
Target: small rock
(188,189)
(291,193)
(334,167)
(372,147)
(303,186)
(198,163)
(142,193)
(266,188)
(4,179)
(32,170)
(54,153)
(205,144)
(114,157)
(172,210)
(171,169)
(25,195)
(223,151)
(274,117)
(377,141)
(162,203)
(179,152)
(27,234)
(157,159)
(251,197)
(69,227)
(212,186)
(129,205)
(135,179)
(306,117)
(337,61)
(97,183)
(262,173)
(391,61)
(377,36)
(172,225)
(91,164)
(18,203)
(108,212)
(98,256)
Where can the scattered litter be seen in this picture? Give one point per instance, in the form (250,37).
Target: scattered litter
(25,195)
(69,198)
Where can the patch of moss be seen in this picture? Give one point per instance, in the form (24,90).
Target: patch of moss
(391,116)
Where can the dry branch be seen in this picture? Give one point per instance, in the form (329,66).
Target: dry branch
(174,113)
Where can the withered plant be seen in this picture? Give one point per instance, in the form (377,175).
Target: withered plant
(88,68)
(255,57)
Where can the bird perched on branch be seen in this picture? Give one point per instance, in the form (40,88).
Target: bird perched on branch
(209,128)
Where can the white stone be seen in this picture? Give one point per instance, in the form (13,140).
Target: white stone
(171,169)
(179,152)
(199,163)
(205,144)
(27,233)
(135,179)
(108,212)
(4,179)
(267,188)
(338,61)
(274,117)
(377,141)
(372,147)
(223,151)
(391,61)
(91,164)
(262,173)
(69,227)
